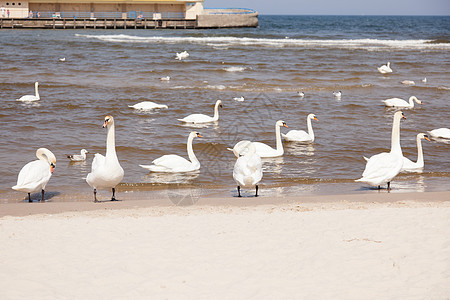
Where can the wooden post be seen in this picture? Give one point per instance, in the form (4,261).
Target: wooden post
(115,23)
(95,23)
(145,23)
(74,23)
(53,23)
(64,23)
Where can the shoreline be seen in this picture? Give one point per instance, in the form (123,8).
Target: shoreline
(134,201)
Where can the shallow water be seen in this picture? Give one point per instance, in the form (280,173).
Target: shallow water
(107,70)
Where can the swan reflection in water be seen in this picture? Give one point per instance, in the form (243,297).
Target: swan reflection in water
(177,178)
(300,149)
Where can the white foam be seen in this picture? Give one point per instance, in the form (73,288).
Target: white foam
(235,69)
(225,41)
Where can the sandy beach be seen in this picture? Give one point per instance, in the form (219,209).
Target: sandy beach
(370,246)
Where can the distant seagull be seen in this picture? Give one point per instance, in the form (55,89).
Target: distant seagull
(424,80)
(62,59)
(166,78)
(301,94)
(408,82)
(239,99)
(337,94)
(384,69)
(78,157)
(182,55)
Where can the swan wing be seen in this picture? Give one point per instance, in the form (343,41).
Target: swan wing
(28,98)
(264,150)
(440,133)
(170,163)
(297,136)
(147,105)
(410,166)
(381,168)
(395,102)
(33,176)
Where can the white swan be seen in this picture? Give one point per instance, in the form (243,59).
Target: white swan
(301,135)
(173,163)
(165,78)
(29,98)
(410,166)
(247,170)
(201,118)
(397,102)
(147,105)
(408,82)
(35,175)
(63,59)
(382,168)
(384,69)
(78,157)
(337,94)
(443,133)
(301,94)
(239,99)
(262,149)
(182,55)
(106,171)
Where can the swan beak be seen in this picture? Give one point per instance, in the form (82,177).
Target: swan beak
(284,124)
(315,118)
(105,124)
(52,166)
(426,137)
(198,135)
(403,116)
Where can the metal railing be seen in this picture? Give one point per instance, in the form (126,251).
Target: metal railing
(108,15)
(229,11)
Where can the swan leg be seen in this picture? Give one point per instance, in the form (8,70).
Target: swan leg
(113,195)
(256,195)
(42,199)
(95,195)
(29,197)
(239,191)
(389,186)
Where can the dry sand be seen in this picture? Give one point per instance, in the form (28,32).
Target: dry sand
(385,246)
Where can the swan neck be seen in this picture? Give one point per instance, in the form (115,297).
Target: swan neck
(419,151)
(190,151)
(310,129)
(216,112)
(278,138)
(36,90)
(45,155)
(395,138)
(110,141)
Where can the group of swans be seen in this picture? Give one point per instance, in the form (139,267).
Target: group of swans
(31,98)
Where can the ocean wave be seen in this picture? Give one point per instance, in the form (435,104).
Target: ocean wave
(225,41)
(235,69)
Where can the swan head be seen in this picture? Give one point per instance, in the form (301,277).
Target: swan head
(194,134)
(281,123)
(313,117)
(423,136)
(49,156)
(108,121)
(219,103)
(36,83)
(417,100)
(399,115)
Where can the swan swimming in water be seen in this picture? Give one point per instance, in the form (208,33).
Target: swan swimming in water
(165,78)
(247,171)
(408,82)
(442,133)
(201,118)
(173,163)
(182,55)
(301,94)
(337,94)
(35,175)
(410,166)
(397,102)
(147,105)
(78,157)
(382,168)
(262,149)
(106,171)
(301,135)
(29,98)
(384,69)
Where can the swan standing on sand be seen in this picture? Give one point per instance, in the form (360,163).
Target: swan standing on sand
(147,105)
(247,170)
(397,102)
(173,163)
(106,171)
(262,149)
(29,98)
(384,69)
(301,135)
(441,133)
(382,168)
(78,157)
(35,175)
(410,166)
(201,118)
